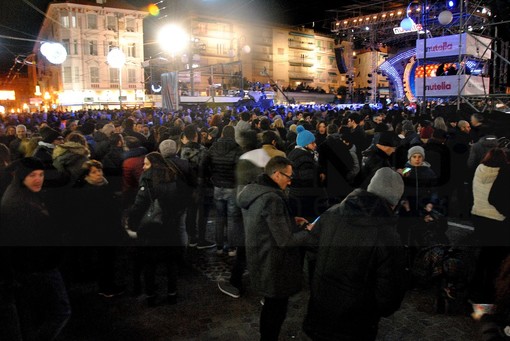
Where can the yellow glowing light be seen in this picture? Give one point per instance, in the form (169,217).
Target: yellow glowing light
(153,10)
(345,22)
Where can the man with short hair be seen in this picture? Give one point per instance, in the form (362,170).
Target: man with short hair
(273,238)
(359,138)
(219,165)
(21,133)
(198,209)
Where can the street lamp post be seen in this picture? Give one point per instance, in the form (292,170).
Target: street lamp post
(116,59)
(240,48)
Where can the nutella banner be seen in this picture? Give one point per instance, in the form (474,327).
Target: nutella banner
(453,45)
(445,86)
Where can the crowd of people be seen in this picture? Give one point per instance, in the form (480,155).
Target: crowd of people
(351,198)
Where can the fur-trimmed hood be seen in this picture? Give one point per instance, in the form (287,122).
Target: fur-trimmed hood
(70,147)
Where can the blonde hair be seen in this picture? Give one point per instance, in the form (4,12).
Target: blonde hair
(278,123)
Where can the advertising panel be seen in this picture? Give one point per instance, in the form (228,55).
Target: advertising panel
(453,45)
(446,86)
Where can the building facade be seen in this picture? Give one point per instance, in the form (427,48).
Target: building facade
(89,31)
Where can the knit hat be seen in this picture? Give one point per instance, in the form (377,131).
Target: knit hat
(407,125)
(87,128)
(304,137)
(387,138)
(387,184)
(22,167)
(415,150)
(49,134)
(168,148)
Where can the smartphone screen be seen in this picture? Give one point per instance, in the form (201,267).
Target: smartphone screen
(405,170)
(316,220)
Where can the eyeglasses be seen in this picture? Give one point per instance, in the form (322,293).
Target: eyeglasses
(285,175)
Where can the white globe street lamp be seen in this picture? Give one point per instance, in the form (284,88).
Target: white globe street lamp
(116,59)
(54,52)
(173,39)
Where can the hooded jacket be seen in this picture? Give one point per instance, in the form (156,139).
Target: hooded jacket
(359,275)
(69,157)
(272,239)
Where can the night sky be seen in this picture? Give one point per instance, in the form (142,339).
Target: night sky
(20,19)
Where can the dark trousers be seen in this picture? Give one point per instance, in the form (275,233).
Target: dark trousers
(106,267)
(146,262)
(191,220)
(236,278)
(43,305)
(493,239)
(272,316)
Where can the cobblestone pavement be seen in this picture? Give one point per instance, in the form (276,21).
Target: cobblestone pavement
(203,313)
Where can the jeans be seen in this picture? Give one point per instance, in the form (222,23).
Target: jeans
(43,305)
(204,207)
(229,214)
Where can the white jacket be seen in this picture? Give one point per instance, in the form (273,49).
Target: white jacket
(482,184)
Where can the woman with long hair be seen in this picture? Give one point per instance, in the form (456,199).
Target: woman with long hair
(159,181)
(491,226)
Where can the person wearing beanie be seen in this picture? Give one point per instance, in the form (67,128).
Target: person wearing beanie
(28,236)
(307,190)
(44,150)
(304,138)
(419,182)
(378,156)
(367,251)
(168,149)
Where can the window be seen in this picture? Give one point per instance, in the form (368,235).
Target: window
(92,48)
(64,18)
(92,21)
(111,23)
(130,24)
(131,50)
(75,46)
(73,20)
(68,75)
(114,75)
(94,74)
(131,76)
(65,43)
(76,74)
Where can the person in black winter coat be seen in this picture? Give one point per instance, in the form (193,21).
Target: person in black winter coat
(307,193)
(337,162)
(378,157)
(219,164)
(360,264)
(30,232)
(159,243)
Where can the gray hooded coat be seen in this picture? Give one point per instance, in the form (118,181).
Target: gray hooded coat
(272,239)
